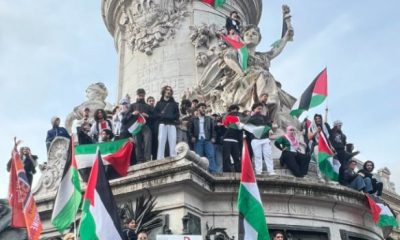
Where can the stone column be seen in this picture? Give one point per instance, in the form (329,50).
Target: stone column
(152,38)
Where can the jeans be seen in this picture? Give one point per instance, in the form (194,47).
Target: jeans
(360,183)
(205,148)
(218,157)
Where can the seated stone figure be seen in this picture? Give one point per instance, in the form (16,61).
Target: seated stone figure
(224,82)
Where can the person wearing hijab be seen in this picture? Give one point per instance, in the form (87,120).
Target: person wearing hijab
(295,161)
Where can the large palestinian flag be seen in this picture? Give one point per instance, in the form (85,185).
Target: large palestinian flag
(243,52)
(381,213)
(116,154)
(214,3)
(100,218)
(313,96)
(69,194)
(257,131)
(251,213)
(327,165)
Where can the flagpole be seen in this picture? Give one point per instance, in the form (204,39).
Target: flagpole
(73,149)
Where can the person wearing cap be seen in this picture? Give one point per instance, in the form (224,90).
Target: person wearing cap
(143,139)
(339,140)
(233,139)
(166,114)
(356,181)
(261,145)
(55,131)
(202,135)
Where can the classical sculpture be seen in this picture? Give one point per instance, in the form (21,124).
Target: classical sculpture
(148,23)
(224,82)
(96,94)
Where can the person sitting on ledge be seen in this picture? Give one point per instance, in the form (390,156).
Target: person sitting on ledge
(377,187)
(355,180)
(296,161)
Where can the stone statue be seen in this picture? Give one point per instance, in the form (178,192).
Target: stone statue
(223,81)
(147,22)
(96,94)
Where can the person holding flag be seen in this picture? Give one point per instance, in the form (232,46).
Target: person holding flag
(20,197)
(233,138)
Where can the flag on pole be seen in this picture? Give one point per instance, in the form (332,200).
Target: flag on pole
(21,198)
(381,213)
(69,194)
(251,212)
(328,166)
(100,218)
(136,127)
(116,154)
(214,3)
(243,52)
(313,96)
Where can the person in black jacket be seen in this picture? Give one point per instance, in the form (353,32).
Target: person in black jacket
(355,180)
(30,162)
(202,134)
(232,140)
(83,134)
(143,139)
(166,114)
(233,22)
(377,187)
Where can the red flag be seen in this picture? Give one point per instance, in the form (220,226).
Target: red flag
(17,217)
(21,198)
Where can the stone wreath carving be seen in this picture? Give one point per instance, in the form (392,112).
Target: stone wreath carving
(53,169)
(148,23)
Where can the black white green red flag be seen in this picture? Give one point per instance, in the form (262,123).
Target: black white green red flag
(313,96)
(251,212)
(116,154)
(69,194)
(243,52)
(214,3)
(100,218)
(327,165)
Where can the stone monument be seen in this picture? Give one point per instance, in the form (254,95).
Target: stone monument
(176,42)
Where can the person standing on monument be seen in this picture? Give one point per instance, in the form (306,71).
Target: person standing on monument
(143,139)
(268,109)
(151,122)
(166,114)
(55,131)
(261,146)
(202,135)
(233,22)
(232,141)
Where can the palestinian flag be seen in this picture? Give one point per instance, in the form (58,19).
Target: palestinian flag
(252,220)
(243,53)
(257,131)
(231,121)
(116,154)
(214,3)
(69,194)
(328,166)
(313,96)
(136,128)
(100,218)
(382,215)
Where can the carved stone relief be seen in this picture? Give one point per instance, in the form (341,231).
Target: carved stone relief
(52,170)
(147,23)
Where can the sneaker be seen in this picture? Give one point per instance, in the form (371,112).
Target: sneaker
(271,173)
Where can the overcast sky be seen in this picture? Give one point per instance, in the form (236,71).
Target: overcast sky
(50,51)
